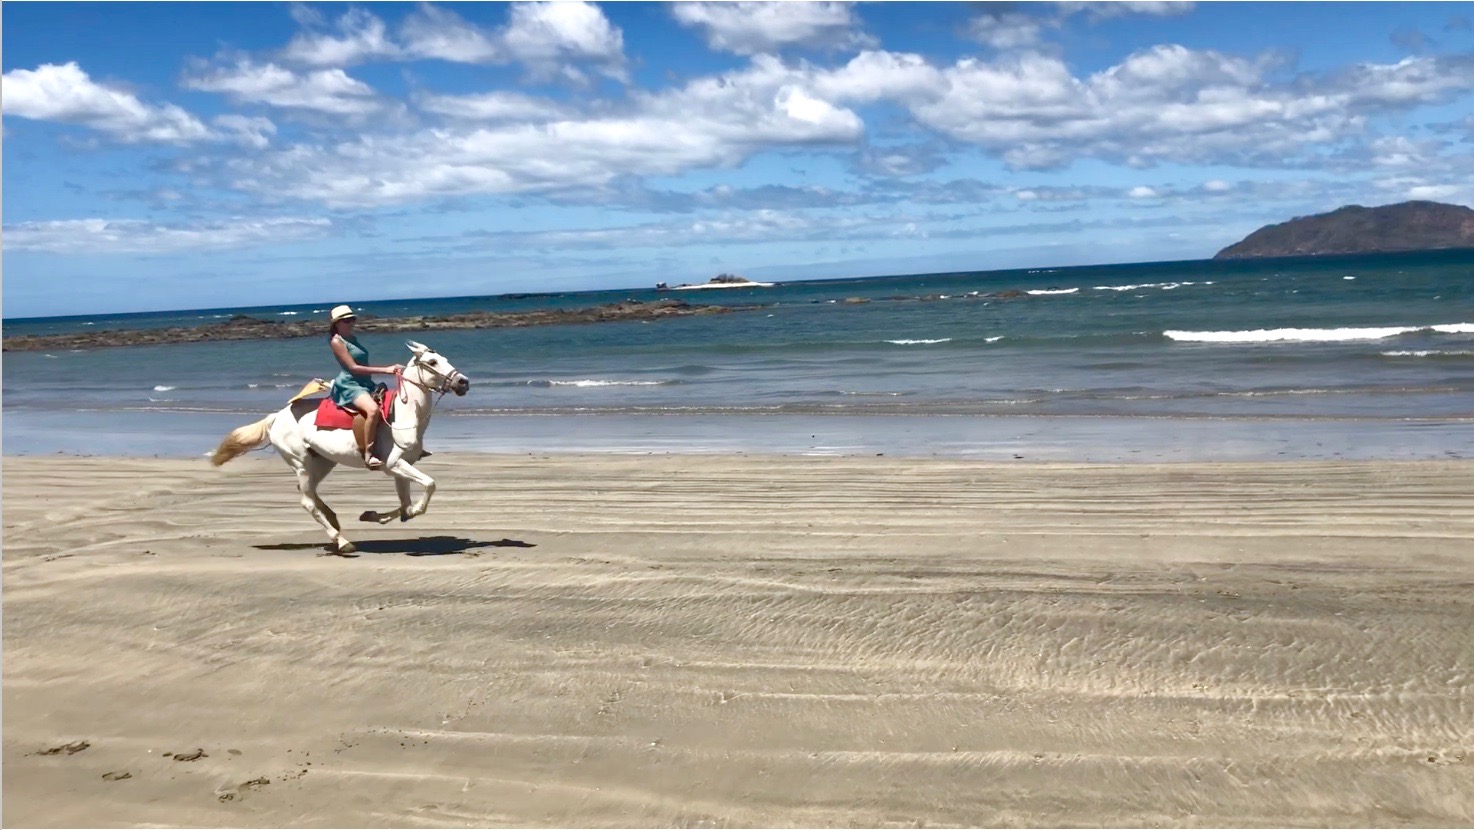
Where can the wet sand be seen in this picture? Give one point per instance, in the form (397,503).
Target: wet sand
(606,640)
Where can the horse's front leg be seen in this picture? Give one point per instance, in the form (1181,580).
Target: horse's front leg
(404,474)
(402,487)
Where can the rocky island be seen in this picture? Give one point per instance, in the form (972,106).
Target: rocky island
(1408,226)
(244,327)
(719,281)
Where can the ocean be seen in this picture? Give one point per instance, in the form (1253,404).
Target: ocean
(1321,358)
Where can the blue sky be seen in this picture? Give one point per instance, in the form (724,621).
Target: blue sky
(183,155)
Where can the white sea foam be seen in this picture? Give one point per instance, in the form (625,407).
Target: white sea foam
(919,342)
(1043,292)
(1165,286)
(587,383)
(992,339)
(1348,278)
(288,313)
(164,388)
(1289,335)
(1313,335)
(1430,353)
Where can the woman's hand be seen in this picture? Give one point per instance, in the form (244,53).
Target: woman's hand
(395,369)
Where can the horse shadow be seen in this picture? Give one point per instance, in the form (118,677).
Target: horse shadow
(422,546)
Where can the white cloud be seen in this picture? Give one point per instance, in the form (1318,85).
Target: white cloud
(433,32)
(253,131)
(362,37)
(1008,30)
(1022,26)
(1118,8)
(1217,186)
(133,236)
(1141,192)
(493,106)
(322,90)
(64,93)
(1436,191)
(750,28)
(711,122)
(542,34)
(1418,80)
(305,15)
(1165,104)
(1169,103)
(869,76)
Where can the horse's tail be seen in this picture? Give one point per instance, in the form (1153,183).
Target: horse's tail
(242,440)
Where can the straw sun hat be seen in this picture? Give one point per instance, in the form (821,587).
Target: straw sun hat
(342,312)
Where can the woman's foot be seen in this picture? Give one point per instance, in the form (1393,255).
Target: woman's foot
(372,463)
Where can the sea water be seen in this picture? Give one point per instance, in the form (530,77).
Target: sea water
(1325,357)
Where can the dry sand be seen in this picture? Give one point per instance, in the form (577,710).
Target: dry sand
(687,640)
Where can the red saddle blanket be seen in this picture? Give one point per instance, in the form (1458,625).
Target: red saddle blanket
(332,416)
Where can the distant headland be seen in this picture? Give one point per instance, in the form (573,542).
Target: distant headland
(1408,226)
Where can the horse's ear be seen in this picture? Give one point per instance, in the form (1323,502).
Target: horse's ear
(417,348)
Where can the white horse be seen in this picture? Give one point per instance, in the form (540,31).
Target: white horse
(312,454)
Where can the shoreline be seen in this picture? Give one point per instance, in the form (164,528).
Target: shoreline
(1011,438)
(591,640)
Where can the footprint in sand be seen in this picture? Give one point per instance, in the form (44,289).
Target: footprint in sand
(243,788)
(116,776)
(70,749)
(187,756)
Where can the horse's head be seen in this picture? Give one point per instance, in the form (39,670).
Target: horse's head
(430,370)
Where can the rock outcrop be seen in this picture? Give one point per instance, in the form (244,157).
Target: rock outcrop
(243,327)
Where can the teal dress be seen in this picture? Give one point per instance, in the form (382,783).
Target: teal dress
(347,386)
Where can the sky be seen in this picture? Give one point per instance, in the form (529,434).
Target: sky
(199,155)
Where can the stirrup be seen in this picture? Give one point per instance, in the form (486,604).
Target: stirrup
(372,462)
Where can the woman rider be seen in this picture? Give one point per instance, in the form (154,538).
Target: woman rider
(353,387)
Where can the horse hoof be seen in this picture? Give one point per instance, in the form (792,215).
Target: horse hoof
(369,516)
(404,517)
(347,547)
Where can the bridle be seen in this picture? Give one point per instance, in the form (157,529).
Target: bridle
(444,385)
(445,380)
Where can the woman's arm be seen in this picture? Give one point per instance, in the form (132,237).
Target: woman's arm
(340,351)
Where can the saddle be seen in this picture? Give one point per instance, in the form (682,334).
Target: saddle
(332,416)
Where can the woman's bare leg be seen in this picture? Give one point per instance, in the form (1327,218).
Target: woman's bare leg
(367,438)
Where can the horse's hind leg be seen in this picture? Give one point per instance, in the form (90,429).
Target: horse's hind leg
(309,476)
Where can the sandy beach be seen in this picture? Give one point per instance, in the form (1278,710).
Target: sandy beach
(618,640)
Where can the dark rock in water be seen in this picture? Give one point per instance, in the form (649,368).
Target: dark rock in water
(245,327)
(1409,226)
